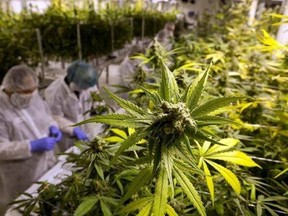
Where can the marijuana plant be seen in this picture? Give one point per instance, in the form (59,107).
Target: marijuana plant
(173,130)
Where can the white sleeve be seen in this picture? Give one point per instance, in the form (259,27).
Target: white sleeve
(65,125)
(12,150)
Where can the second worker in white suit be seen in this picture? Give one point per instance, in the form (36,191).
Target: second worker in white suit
(69,98)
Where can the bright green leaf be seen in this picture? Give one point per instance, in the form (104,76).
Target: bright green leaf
(209,180)
(228,176)
(189,190)
(235,157)
(137,204)
(86,206)
(161,193)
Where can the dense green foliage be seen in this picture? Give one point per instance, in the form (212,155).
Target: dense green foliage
(182,146)
(58,27)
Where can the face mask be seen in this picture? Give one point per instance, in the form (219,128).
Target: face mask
(74,87)
(21,100)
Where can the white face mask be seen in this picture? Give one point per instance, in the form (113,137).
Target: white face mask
(74,87)
(21,100)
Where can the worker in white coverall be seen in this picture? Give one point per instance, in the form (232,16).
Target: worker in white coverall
(70,101)
(28,134)
(166,36)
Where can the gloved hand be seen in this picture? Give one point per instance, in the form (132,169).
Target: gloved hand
(55,132)
(80,134)
(43,144)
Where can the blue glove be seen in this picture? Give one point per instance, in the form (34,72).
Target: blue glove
(43,144)
(80,134)
(55,132)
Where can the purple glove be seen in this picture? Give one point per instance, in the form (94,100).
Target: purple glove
(55,132)
(80,134)
(43,144)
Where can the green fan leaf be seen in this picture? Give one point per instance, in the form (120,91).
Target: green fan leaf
(168,86)
(99,171)
(209,180)
(119,132)
(213,105)
(118,120)
(153,96)
(161,193)
(194,91)
(212,120)
(137,204)
(114,139)
(227,143)
(105,209)
(170,211)
(132,140)
(140,180)
(127,105)
(86,206)
(228,176)
(146,210)
(189,190)
(235,157)
(168,162)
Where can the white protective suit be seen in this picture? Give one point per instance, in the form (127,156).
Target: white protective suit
(19,168)
(67,110)
(165,38)
(127,70)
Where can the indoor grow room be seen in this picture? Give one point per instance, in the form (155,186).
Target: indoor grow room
(202,132)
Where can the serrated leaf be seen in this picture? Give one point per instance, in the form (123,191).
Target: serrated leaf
(99,171)
(209,181)
(278,206)
(109,200)
(189,190)
(168,163)
(228,176)
(146,210)
(153,96)
(130,107)
(168,86)
(271,211)
(227,143)
(212,120)
(119,132)
(113,139)
(137,204)
(195,89)
(161,193)
(118,120)
(281,173)
(140,180)
(132,140)
(170,211)
(205,147)
(86,206)
(235,157)
(274,198)
(212,105)
(105,209)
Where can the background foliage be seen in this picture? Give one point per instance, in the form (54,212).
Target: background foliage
(18,40)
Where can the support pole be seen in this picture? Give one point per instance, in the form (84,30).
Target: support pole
(23,4)
(282,34)
(131,24)
(39,40)
(112,37)
(143,28)
(252,12)
(79,42)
